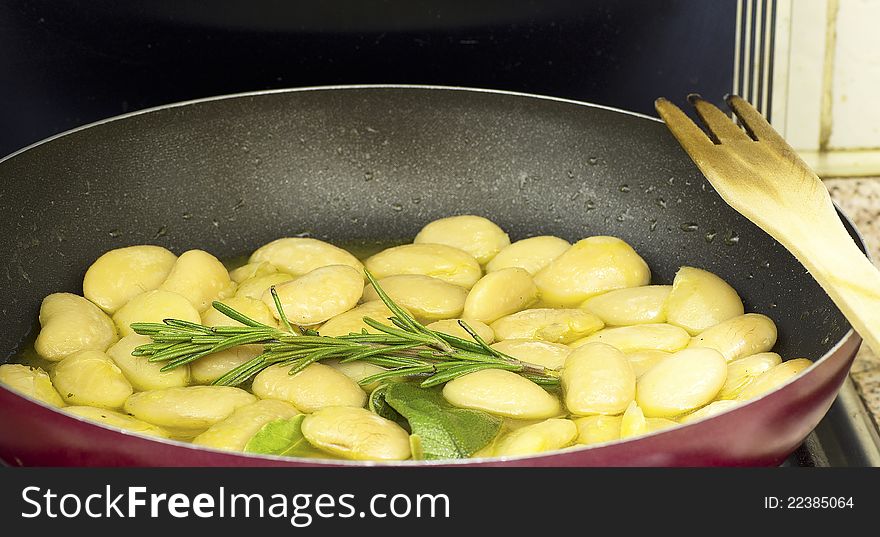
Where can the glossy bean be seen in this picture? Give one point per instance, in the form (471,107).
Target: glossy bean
(533,351)
(301,255)
(70,324)
(356,433)
(91,378)
(187,411)
(590,267)
(774,378)
(741,373)
(117,420)
(640,337)
(436,260)
(475,235)
(554,325)
(153,307)
(633,305)
(598,429)
(200,277)
(318,295)
(547,435)
(315,387)
(30,381)
(233,432)
(739,337)
(427,299)
(530,254)
(597,379)
(121,274)
(502,393)
(500,293)
(685,381)
(700,299)
(140,371)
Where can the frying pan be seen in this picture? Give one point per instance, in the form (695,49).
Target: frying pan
(375,163)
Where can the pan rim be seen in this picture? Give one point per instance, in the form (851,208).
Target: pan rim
(446,462)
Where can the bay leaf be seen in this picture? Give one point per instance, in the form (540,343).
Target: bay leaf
(284,437)
(441,430)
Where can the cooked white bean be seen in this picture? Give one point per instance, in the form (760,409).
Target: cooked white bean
(685,381)
(451,327)
(90,378)
(187,411)
(30,381)
(774,378)
(357,371)
(500,293)
(140,371)
(633,305)
(533,351)
(640,337)
(739,337)
(121,274)
(590,267)
(352,321)
(554,433)
(153,307)
(598,429)
(233,432)
(319,295)
(317,386)
(210,368)
(713,408)
(633,423)
(117,420)
(69,324)
(658,424)
(473,234)
(426,298)
(200,277)
(597,379)
(436,260)
(530,254)
(252,270)
(357,434)
(298,256)
(642,361)
(554,325)
(502,393)
(255,287)
(700,299)
(255,309)
(740,373)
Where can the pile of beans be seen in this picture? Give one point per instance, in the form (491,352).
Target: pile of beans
(634,358)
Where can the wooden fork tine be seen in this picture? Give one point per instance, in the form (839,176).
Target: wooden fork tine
(691,137)
(718,123)
(753,121)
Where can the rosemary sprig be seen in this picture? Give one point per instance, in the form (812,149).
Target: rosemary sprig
(405,349)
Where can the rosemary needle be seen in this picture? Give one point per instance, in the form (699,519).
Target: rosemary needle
(406,348)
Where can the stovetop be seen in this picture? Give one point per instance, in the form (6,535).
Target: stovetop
(846,436)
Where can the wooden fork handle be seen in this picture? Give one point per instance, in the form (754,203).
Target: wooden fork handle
(850,279)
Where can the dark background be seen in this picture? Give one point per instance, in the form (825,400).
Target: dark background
(64,63)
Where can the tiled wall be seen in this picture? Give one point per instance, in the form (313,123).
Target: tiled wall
(827,66)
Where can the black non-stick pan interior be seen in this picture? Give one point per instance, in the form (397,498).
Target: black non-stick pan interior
(352,165)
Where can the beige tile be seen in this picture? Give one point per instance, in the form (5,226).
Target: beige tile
(860,200)
(868,385)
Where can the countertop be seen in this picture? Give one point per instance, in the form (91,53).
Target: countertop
(860,200)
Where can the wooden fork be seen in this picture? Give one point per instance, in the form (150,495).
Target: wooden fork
(757,173)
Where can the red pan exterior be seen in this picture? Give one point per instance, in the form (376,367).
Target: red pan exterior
(761,433)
